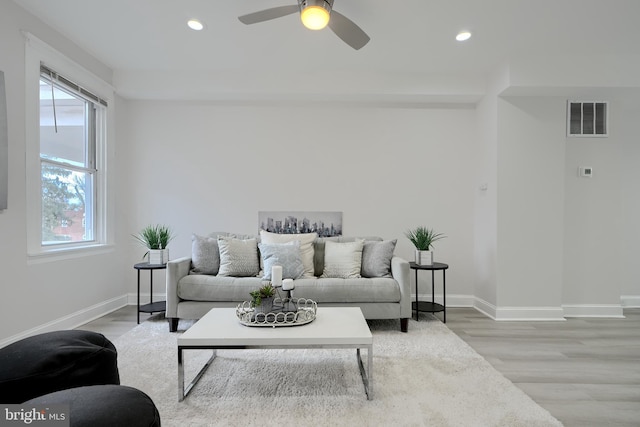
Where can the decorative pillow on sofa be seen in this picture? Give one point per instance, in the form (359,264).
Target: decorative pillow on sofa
(306,246)
(376,258)
(343,260)
(205,255)
(238,258)
(286,255)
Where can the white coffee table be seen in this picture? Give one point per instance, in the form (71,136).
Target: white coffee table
(334,327)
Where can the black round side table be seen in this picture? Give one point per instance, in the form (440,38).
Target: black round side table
(152,307)
(432,306)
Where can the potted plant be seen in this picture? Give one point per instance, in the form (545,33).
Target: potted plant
(423,238)
(155,238)
(262,298)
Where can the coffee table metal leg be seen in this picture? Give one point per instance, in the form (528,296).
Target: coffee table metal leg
(182,391)
(367,376)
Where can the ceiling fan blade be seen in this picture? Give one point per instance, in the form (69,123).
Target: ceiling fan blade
(347,30)
(268,14)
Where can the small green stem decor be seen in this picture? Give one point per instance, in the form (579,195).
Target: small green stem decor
(423,237)
(265,291)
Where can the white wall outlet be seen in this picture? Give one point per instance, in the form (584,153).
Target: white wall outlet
(585,171)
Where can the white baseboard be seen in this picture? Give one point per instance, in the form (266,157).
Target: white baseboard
(530,313)
(552,313)
(519,313)
(593,310)
(73,320)
(630,301)
(485,308)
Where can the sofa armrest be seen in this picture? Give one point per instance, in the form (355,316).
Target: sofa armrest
(176,270)
(400,272)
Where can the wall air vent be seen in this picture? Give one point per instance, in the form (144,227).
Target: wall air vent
(588,118)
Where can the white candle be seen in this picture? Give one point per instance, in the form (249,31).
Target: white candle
(287,285)
(276,276)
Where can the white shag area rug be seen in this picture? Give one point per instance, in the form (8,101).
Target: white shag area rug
(426,377)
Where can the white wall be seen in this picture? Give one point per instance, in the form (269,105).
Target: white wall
(485,199)
(530,203)
(202,167)
(565,243)
(601,224)
(41,294)
(625,131)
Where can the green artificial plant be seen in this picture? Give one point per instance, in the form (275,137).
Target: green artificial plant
(154,237)
(423,237)
(266,291)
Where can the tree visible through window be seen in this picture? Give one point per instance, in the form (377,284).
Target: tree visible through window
(68,160)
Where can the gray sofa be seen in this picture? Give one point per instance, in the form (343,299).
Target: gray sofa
(190,294)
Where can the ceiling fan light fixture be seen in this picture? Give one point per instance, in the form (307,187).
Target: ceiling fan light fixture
(315,14)
(195,24)
(463,36)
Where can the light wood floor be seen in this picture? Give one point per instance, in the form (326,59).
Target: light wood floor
(584,371)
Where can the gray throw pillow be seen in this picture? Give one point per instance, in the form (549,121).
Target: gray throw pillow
(376,258)
(286,255)
(238,258)
(306,246)
(205,255)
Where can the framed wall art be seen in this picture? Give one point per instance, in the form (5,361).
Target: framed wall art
(326,224)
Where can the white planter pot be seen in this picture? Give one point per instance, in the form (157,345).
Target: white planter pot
(424,257)
(158,256)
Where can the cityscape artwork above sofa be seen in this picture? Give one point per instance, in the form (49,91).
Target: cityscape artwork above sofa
(326,224)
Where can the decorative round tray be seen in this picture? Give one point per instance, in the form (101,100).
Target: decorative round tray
(285,312)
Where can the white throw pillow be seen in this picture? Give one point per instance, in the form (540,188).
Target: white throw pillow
(306,246)
(238,258)
(343,260)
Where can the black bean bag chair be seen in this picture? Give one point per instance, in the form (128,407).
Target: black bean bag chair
(102,406)
(55,361)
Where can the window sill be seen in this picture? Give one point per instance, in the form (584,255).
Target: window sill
(58,254)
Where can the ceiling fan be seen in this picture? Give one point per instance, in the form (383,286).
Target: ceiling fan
(315,15)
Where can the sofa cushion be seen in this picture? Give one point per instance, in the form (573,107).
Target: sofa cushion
(286,255)
(321,290)
(217,288)
(376,258)
(362,290)
(205,255)
(238,258)
(54,361)
(103,406)
(306,246)
(343,260)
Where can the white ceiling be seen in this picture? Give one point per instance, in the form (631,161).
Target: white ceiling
(411,41)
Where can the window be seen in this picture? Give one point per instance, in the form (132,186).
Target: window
(68,111)
(68,117)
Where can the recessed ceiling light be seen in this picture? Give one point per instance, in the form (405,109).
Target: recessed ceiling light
(463,35)
(194,24)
